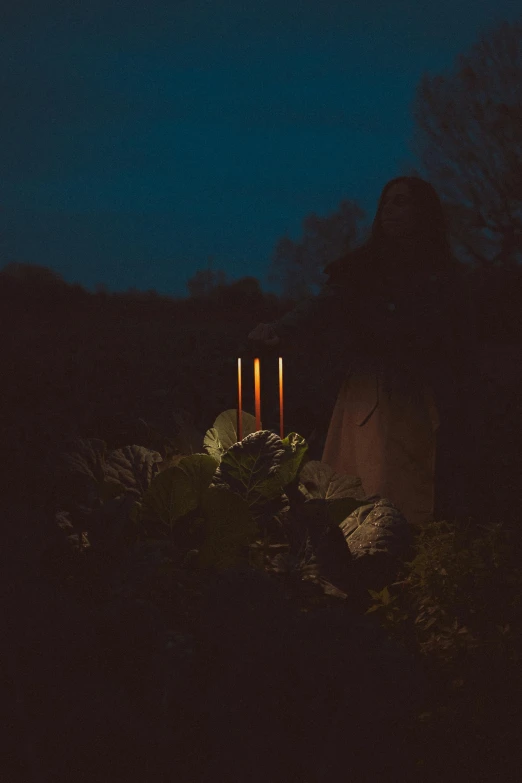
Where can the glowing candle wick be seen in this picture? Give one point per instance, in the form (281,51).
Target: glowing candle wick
(257,393)
(239,402)
(281,398)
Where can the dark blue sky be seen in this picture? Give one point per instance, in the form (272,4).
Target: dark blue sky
(139,138)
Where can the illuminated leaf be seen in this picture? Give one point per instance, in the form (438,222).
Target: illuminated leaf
(178,490)
(223,435)
(249,467)
(133,466)
(229,528)
(319,480)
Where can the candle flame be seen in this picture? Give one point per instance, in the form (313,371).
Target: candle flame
(281,430)
(257,393)
(239,402)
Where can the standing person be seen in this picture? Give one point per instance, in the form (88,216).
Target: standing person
(396,323)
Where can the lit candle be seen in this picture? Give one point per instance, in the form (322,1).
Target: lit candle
(281,397)
(239,402)
(257,393)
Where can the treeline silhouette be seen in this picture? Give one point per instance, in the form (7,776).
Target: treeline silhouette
(77,363)
(120,366)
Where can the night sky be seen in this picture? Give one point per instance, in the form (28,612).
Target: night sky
(140,139)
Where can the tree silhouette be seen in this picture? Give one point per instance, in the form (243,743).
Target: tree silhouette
(32,275)
(297,266)
(204,281)
(246,292)
(469,140)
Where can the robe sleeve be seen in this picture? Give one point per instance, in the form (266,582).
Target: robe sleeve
(318,315)
(436,336)
(447,328)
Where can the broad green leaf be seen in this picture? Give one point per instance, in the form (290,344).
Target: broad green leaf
(188,440)
(168,498)
(249,468)
(135,514)
(213,445)
(295,449)
(134,467)
(319,480)
(86,472)
(199,469)
(223,434)
(80,469)
(341,508)
(229,528)
(86,457)
(178,490)
(110,489)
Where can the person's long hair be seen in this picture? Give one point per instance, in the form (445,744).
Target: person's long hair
(430,250)
(430,220)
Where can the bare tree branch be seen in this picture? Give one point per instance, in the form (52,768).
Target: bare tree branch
(469,141)
(297,266)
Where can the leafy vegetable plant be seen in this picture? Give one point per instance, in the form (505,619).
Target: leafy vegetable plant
(216,504)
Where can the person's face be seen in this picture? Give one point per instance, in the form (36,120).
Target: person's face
(397,216)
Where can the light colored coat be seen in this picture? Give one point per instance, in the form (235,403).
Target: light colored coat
(398,362)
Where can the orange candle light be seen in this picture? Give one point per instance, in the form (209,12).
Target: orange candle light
(257,393)
(281,397)
(239,402)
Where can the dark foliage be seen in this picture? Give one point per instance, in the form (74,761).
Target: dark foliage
(129,664)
